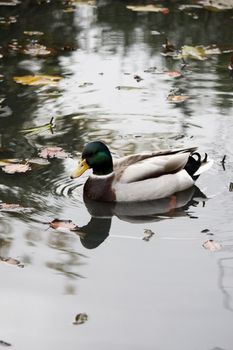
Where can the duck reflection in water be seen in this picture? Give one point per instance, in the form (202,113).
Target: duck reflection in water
(98,228)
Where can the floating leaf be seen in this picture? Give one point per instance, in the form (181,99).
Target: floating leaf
(174,74)
(7,206)
(4,162)
(189,7)
(32,33)
(195,52)
(62,225)
(36,80)
(147,235)
(53,152)
(16,168)
(217,5)
(148,8)
(177,98)
(212,245)
(12,261)
(10,207)
(34,49)
(206,230)
(80,318)
(38,161)
(212,50)
(137,78)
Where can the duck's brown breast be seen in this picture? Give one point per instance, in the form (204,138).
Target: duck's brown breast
(100,188)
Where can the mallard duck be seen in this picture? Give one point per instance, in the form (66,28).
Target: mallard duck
(138,177)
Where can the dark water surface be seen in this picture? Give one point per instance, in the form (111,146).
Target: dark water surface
(168,293)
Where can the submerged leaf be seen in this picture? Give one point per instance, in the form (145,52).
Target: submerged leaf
(53,152)
(212,245)
(80,318)
(36,80)
(62,225)
(148,8)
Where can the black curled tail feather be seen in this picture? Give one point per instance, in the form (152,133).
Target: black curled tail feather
(193,164)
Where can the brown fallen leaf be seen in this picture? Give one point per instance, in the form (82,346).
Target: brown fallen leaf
(177,98)
(62,225)
(212,245)
(80,318)
(147,235)
(12,261)
(16,168)
(36,80)
(53,152)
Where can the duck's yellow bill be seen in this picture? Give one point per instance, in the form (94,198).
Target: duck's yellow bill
(81,168)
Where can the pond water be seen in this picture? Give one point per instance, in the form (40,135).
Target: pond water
(169,292)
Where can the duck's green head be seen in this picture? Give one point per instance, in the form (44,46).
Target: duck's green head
(96,156)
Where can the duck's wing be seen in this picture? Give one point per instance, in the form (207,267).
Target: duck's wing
(144,166)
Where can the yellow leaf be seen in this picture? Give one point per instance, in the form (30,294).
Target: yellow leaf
(37,80)
(177,98)
(196,52)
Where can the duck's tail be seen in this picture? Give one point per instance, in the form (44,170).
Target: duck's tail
(196,166)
